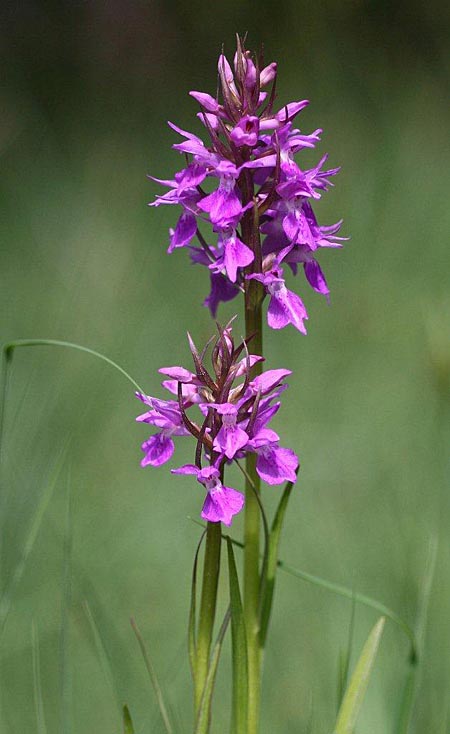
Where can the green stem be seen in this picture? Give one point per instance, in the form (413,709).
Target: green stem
(253,327)
(207,615)
(254,295)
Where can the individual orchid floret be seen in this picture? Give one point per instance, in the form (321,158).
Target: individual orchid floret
(246,132)
(221,502)
(235,255)
(166,415)
(285,307)
(224,205)
(230,437)
(274,464)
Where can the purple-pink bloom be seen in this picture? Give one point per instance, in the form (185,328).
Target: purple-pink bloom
(223,205)
(264,194)
(221,290)
(233,411)
(235,254)
(246,131)
(230,437)
(221,502)
(158,449)
(184,232)
(276,465)
(285,307)
(165,415)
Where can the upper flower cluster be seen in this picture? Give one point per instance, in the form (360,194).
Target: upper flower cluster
(234,412)
(260,208)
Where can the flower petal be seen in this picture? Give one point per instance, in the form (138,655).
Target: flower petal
(276,465)
(158,449)
(222,504)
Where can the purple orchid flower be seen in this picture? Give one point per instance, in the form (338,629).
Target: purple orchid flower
(233,416)
(276,465)
(221,502)
(223,205)
(252,150)
(230,437)
(285,307)
(166,415)
(235,254)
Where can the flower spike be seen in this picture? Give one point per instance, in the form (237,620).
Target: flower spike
(234,410)
(251,155)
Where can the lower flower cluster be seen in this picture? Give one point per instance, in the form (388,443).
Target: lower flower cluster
(228,413)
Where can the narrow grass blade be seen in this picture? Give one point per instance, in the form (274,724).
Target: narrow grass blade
(153,678)
(65,672)
(41,726)
(345,657)
(5,373)
(17,573)
(413,677)
(102,654)
(356,690)
(204,714)
(192,624)
(407,704)
(347,593)
(127,722)
(339,590)
(238,650)
(268,585)
(9,348)
(427,586)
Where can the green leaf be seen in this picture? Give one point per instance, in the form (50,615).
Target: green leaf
(102,653)
(347,593)
(41,726)
(66,583)
(128,727)
(414,671)
(344,658)
(153,678)
(356,690)
(266,533)
(270,568)
(204,713)
(16,575)
(339,590)
(192,641)
(238,650)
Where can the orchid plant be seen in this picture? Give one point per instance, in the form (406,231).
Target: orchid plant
(257,220)
(247,216)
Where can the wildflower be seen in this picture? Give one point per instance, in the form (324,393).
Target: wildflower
(261,188)
(221,503)
(227,412)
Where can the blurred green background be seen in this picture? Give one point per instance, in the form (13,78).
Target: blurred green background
(87,89)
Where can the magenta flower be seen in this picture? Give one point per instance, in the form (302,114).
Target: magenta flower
(262,201)
(285,307)
(230,437)
(235,254)
(166,415)
(227,412)
(221,503)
